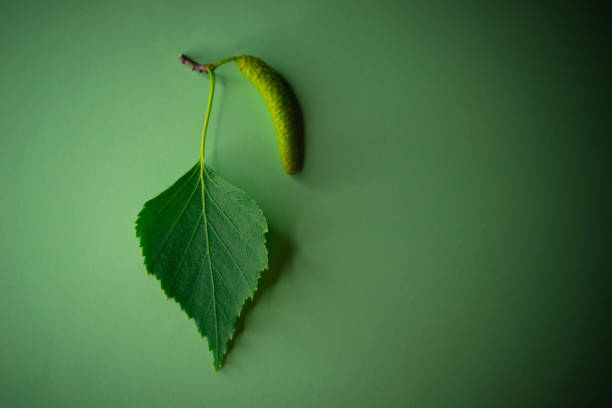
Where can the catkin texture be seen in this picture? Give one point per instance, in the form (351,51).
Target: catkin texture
(279,101)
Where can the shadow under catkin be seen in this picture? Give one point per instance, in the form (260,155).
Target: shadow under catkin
(301,142)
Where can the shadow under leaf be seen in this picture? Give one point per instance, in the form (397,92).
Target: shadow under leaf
(280,252)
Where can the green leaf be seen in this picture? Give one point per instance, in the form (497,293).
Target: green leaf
(204,240)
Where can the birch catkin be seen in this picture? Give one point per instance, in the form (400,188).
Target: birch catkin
(280,103)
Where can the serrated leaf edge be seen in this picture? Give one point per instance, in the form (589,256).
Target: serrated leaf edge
(246,299)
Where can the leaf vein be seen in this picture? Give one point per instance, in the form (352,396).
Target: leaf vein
(229,252)
(180,265)
(240,234)
(174,226)
(171,198)
(210,268)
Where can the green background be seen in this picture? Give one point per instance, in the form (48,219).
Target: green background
(447,244)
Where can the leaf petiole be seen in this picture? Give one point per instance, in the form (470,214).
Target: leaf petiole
(210,69)
(211,94)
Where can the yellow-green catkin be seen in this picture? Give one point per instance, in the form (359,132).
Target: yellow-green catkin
(280,103)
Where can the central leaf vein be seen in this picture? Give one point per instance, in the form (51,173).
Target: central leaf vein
(210,266)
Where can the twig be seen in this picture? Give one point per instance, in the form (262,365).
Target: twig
(202,68)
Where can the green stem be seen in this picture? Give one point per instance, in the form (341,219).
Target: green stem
(211,93)
(221,62)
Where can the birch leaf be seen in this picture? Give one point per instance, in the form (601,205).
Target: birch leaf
(204,240)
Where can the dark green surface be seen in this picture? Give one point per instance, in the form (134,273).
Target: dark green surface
(447,244)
